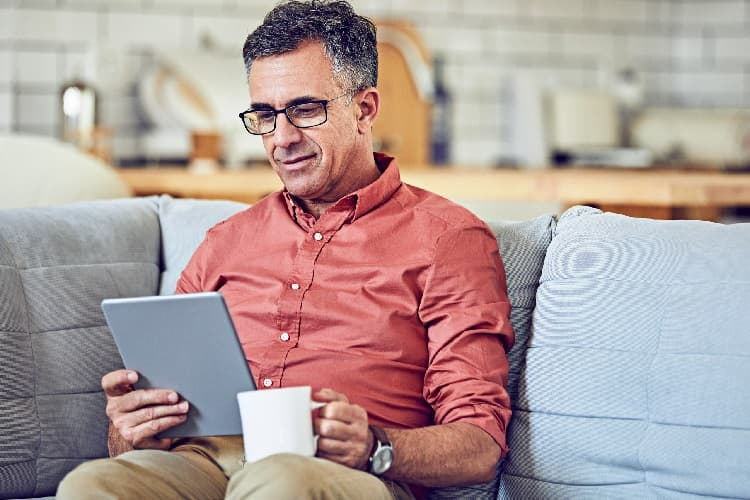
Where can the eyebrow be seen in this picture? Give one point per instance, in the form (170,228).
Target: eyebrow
(257,106)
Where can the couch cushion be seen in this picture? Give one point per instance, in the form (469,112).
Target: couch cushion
(523,246)
(184,223)
(56,265)
(636,372)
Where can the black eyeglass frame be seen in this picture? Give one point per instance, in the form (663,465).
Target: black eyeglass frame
(277,112)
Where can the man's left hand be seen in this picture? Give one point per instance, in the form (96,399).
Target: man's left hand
(342,427)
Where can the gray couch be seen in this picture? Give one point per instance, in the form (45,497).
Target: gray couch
(629,376)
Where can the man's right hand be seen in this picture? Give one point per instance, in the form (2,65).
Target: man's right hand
(138,415)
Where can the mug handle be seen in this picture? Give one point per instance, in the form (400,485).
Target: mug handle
(314,405)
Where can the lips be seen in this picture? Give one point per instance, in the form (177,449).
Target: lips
(296,161)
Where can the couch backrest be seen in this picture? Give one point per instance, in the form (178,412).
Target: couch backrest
(56,265)
(635,382)
(184,223)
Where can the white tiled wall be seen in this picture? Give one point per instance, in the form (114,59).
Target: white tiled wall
(688,53)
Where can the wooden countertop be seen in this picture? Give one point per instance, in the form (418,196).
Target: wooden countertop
(604,187)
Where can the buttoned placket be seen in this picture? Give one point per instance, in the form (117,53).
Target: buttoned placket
(289,312)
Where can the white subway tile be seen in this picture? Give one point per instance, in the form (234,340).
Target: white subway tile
(37,111)
(143,30)
(44,130)
(229,32)
(492,8)
(688,48)
(109,4)
(452,39)
(660,11)
(7,19)
(732,48)
(648,47)
(39,68)
(6,110)
(467,117)
(78,65)
(713,12)
(470,78)
(7,72)
(600,46)
(656,82)
(259,8)
(708,82)
(119,111)
(551,78)
(55,26)
(37,4)
(518,41)
(117,68)
(184,3)
(631,11)
(372,9)
(429,8)
(565,9)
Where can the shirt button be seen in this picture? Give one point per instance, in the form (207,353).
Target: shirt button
(267,382)
(318,236)
(284,337)
(295,286)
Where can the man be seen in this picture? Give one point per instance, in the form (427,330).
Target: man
(387,299)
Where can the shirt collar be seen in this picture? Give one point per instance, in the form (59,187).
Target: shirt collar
(362,200)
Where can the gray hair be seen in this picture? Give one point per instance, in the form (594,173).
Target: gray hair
(349,39)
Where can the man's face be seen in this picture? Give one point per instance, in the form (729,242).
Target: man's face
(315,164)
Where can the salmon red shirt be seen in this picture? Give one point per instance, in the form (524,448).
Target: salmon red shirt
(395,297)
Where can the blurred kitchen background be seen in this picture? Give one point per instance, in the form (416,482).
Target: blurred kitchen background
(492,82)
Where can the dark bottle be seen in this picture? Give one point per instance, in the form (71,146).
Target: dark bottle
(441,119)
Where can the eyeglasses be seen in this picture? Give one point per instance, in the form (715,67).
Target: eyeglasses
(302,115)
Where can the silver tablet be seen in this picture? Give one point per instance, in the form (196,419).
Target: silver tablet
(186,343)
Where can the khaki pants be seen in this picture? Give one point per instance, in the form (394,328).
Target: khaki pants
(212,468)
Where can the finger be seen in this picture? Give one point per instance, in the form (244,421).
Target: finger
(332,448)
(154,413)
(328,395)
(146,397)
(340,452)
(143,435)
(343,412)
(119,382)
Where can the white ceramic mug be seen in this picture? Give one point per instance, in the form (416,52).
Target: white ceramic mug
(277,421)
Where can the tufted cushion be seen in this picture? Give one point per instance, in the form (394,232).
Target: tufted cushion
(56,265)
(635,377)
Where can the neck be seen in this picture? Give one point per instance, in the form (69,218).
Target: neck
(369,174)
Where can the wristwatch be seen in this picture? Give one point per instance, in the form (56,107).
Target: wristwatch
(381,456)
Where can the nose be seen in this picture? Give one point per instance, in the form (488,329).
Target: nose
(285,134)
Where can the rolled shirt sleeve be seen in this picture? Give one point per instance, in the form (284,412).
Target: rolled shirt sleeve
(465,309)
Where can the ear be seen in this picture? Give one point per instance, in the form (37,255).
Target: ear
(368,104)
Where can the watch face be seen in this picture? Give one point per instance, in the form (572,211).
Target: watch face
(382,460)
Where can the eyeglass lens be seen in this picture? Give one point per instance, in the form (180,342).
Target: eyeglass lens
(305,115)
